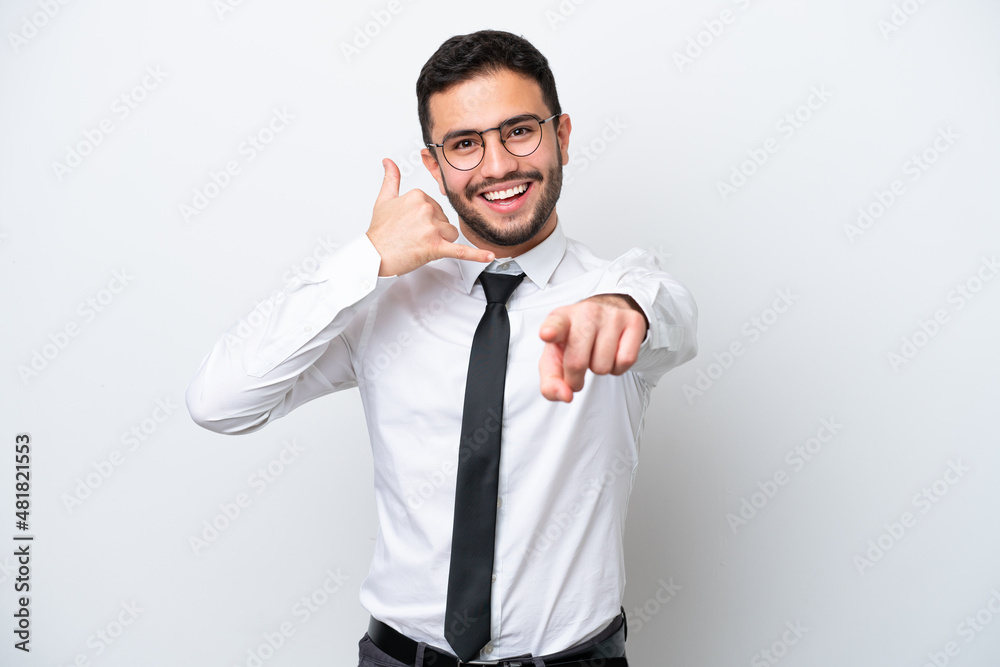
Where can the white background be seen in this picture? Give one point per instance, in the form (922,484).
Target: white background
(826,552)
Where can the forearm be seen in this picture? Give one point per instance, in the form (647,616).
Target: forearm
(669,308)
(300,350)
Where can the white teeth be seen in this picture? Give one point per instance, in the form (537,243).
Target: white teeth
(504,194)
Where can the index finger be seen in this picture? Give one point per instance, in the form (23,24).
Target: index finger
(459,251)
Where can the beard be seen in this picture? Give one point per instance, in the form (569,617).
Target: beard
(522,227)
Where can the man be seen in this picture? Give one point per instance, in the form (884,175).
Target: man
(515,550)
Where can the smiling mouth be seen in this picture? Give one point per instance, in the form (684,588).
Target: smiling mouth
(498,195)
(509,200)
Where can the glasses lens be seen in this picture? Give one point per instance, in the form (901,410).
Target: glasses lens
(521,135)
(464,151)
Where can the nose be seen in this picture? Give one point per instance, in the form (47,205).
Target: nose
(497,162)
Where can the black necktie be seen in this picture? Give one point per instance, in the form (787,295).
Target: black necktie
(467,615)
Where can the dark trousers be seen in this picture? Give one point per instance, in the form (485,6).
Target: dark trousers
(611,641)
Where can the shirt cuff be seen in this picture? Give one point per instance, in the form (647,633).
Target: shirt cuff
(630,275)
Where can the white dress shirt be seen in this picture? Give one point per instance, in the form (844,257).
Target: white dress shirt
(566,470)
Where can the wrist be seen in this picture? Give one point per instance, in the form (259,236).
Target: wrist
(383,269)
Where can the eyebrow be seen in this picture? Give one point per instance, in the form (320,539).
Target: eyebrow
(456,133)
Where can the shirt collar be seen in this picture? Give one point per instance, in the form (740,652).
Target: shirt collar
(538,264)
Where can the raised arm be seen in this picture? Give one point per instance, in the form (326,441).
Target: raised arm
(302,348)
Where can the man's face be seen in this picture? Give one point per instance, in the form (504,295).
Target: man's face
(515,223)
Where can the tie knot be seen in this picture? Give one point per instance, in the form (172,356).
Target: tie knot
(499,286)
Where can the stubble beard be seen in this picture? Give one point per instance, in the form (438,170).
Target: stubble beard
(510,234)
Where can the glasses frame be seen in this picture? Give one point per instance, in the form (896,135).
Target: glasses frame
(503,143)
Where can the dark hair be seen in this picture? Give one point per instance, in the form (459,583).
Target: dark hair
(464,57)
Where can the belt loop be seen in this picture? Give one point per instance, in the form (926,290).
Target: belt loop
(420,654)
(625,624)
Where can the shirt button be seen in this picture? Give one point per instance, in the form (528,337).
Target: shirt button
(493,578)
(365,284)
(488,648)
(504,266)
(499,501)
(307,328)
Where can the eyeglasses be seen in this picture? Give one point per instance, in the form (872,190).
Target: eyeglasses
(520,135)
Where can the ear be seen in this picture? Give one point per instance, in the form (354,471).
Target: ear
(565,127)
(431,163)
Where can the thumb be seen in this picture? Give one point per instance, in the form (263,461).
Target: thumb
(390,184)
